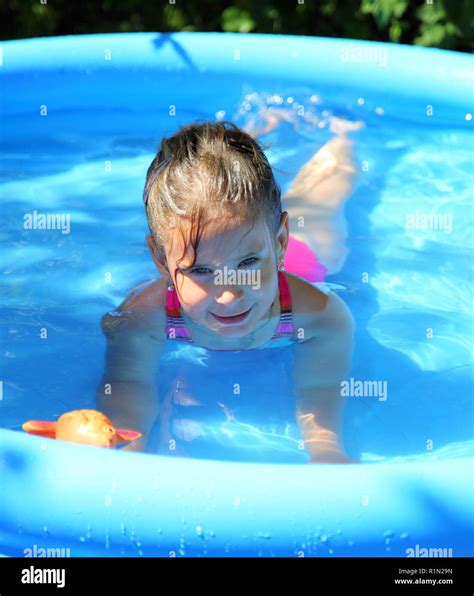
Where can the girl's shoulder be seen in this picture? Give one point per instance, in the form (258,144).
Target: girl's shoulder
(147,295)
(314,312)
(142,310)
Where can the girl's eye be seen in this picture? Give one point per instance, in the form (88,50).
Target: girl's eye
(251,259)
(206,270)
(200,271)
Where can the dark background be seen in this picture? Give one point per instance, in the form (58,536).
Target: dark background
(444,24)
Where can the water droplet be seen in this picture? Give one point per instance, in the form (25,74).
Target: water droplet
(82,538)
(404,535)
(265,535)
(324,538)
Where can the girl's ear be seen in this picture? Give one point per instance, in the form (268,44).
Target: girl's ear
(158,257)
(282,235)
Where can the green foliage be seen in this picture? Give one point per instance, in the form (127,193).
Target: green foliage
(388,15)
(384,11)
(237,20)
(442,23)
(445,24)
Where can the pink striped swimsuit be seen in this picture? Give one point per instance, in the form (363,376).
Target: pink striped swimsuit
(284,333)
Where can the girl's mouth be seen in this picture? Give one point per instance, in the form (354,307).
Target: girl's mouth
(232,320)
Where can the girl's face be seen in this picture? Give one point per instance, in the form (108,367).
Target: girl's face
(235,273)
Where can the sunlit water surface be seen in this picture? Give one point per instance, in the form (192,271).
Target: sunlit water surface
(408,286)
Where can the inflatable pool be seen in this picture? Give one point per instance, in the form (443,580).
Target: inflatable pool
(81,117)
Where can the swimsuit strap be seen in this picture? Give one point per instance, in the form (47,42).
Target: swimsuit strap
(285,324)
(176,328)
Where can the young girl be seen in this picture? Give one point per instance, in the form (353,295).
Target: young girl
(219,239)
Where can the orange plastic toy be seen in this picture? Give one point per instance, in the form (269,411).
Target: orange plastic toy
(88,427)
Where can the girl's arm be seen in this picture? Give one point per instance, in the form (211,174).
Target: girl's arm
(321,364)
(127,393)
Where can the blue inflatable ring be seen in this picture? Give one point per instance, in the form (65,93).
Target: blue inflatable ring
(110,503)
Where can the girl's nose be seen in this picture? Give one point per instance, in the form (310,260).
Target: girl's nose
(229,295)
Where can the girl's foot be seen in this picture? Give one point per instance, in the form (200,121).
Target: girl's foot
(273,117)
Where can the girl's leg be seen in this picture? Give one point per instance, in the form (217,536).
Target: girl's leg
(316,197)
(315,201)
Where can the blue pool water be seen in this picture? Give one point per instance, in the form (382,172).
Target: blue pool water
(399,283)
(407,284)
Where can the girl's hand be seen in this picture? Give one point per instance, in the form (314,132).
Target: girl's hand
(332,457)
